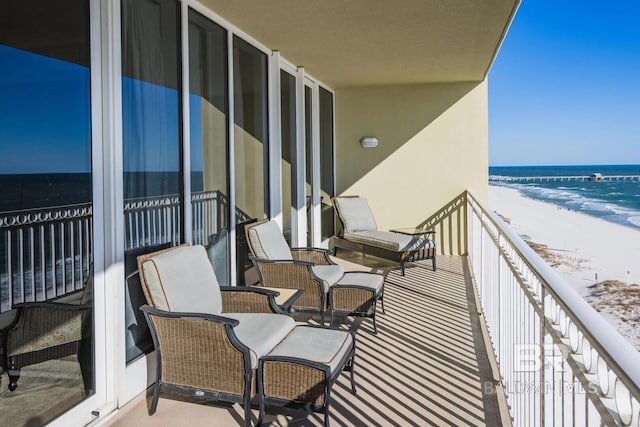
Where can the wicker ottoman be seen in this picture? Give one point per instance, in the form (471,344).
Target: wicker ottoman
(357,294)
(299,372)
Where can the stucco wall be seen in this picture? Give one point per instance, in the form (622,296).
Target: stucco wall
(433,146)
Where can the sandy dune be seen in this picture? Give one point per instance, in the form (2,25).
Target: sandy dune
(586,252)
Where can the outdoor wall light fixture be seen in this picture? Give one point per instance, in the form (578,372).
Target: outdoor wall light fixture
(369,142)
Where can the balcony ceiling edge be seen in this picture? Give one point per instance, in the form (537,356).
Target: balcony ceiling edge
(377,42)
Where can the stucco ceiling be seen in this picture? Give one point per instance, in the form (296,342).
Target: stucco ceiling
(377,42)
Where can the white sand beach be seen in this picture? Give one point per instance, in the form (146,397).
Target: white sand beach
(584,250)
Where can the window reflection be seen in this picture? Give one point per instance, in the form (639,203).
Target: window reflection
(208,124)
(288,119)
(251,138)
(308,145)
(327,184)
(151,144)
(251,130)
(46,240)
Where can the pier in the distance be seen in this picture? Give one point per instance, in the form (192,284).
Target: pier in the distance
(597,177)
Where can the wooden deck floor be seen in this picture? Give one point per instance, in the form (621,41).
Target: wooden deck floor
(428,364)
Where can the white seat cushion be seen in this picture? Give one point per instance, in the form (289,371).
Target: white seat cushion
(261,332)
(355,214)
(363,280)
(183,280)
(267,241)
(321,345)
(330,274)
(396,242)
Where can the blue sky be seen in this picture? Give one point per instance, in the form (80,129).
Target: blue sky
(44,114)
(565,87)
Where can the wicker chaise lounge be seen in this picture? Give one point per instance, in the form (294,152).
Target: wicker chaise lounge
(210,340)
(360,233)
(325,284)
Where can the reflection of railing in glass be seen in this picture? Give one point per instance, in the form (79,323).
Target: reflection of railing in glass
(152,221)
(46,253)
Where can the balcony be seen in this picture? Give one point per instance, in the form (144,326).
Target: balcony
(494,336)
(428,365)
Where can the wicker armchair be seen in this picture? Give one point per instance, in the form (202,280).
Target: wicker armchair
(325,284)
(43,331)
(208,339)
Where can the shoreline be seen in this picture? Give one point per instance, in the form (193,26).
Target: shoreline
(598,258)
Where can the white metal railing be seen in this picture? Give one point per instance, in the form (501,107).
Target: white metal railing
(44,253)
(561,363)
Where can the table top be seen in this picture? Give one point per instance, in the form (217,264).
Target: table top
(412,231)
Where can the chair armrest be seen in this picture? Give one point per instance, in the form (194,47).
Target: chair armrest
(317,256)
(147,310)
(249,300)
(255,261)
(42,325)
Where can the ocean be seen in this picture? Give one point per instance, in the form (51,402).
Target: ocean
(614,201)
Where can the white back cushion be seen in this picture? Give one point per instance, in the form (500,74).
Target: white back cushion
(267,241)
(355,214)
(183,280)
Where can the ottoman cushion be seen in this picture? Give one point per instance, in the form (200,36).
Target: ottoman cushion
(321,345)
(363,280)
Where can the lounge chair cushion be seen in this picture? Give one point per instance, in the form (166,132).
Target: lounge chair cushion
(363,280)
(167,274)
(267,241)
(391,241)
(355,214)
(321,345)
(261,332)
(330,274)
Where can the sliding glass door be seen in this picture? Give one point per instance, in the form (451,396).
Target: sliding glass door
(308,178)
(251,144)
(288,119)
(46,211)
(326,160)
(151,146)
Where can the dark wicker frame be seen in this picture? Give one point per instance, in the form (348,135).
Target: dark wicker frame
(205,367)
(281,382)
(355,300)
(294,274)
(402,257)
(199,355)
